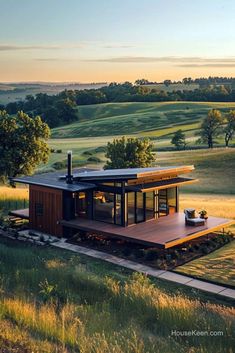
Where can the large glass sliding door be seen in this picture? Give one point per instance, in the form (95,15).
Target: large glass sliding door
(144,206)
(150,205)
(107,207)
(140,207)
(163,208)
(81,204)
(167,201)
(172,200)
(135,203)
(131,207)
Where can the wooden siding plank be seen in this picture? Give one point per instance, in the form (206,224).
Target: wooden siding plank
(52,202)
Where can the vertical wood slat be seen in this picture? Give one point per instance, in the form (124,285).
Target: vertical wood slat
(52,202)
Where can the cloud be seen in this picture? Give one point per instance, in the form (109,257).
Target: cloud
(208,65)
(53,59)
(175,60)
(12,47)
(118,46)
(84,44)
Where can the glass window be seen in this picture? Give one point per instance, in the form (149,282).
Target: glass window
(162,203)
(131,207)
(118,209)
(38,209)
(171,197)
(104,206)
(81,204)
(150,205)
(107,183)
(139,207)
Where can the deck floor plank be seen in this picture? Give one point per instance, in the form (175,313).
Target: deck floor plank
(164,232)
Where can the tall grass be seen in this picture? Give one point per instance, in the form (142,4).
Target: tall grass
(98,308)
(216,205)
(13,198)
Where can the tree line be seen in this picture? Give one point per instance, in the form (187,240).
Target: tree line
(202,81)
(60,109)
(215,124)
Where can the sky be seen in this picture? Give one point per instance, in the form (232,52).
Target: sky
(111,40)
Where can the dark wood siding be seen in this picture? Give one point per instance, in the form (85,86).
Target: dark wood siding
(52,209)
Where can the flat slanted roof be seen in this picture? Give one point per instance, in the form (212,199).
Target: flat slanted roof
(84,177)
(131,173)
(53,180)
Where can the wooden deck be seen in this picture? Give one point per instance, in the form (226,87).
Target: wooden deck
(23,213)
(164,232)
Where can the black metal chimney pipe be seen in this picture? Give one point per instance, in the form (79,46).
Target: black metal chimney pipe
(69,176)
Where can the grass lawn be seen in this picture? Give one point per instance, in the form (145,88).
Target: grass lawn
(54,301)
(219,266)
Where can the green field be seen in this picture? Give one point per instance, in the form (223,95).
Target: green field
(219,266)
(214,169)
(54,301)
(138,118)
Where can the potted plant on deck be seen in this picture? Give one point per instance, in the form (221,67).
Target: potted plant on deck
(203,214)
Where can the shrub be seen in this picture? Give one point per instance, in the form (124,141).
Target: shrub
(175,255)
(52,150)
(151,254)
(94,159)
(205,250)
(126,251)
(58,151)
(48,291)
(196,247)
(101,149)
(87,153)
(59,165)
(138,253)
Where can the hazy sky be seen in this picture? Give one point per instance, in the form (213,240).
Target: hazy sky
(111,40)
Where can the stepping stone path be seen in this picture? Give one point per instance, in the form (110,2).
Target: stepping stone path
(166,275)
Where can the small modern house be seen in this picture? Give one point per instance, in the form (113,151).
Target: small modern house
(139,205)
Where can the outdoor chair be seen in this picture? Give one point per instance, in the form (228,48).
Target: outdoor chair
(191,219)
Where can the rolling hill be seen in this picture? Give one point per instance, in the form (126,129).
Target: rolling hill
(149,119)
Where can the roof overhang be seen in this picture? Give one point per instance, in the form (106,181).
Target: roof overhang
(55,184)
(161,184)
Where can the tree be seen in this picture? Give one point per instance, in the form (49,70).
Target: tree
(187,80)
(179,139)
(230,127)
(167,82)
(22,144)
(210,127)
(141,81)
(129,153)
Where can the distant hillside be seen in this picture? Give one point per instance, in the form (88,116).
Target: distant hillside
(12,92)
(149,119)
